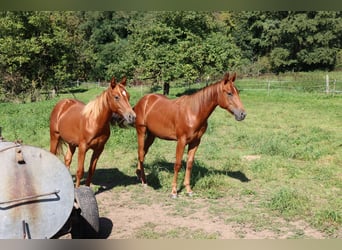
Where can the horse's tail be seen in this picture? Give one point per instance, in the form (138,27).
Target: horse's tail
(56,141)
(60,144)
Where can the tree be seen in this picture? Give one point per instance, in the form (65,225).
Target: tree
(316,38)
(178,46)
(39,50)
(105,34)
(306,40)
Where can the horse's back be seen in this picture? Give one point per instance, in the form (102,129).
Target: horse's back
(150,98)
(64,105)
(151,104)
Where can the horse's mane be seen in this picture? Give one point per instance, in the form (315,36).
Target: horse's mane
(202,96)
(94,108)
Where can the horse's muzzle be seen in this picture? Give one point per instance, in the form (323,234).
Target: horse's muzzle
(123,120)
(130,118)
(240,115)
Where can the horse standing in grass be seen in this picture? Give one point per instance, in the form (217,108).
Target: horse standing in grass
(184,120)
(88,126)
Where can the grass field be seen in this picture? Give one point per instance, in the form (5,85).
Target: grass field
(282,164)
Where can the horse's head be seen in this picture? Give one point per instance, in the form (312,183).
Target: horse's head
(229,98)
(119,101)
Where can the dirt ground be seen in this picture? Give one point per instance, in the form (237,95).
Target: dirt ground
(128,218)
(124,216)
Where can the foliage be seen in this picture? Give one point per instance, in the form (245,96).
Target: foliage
(41,50)
(300,41)
(38,51)
(105,33)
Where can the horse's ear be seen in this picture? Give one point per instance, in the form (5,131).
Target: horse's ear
(123,80)
(113,82)
(233,77)
(226,78)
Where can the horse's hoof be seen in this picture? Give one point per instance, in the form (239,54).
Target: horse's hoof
(138,175)
(173,196)
(190,194)
(144,185)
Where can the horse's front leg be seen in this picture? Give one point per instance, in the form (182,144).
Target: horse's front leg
(94,158)
(177,166)
(82,150)
(193,146)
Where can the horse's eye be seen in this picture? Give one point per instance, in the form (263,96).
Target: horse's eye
(117,98)
(230,94)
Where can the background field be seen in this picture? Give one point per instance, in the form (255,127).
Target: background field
(277,174)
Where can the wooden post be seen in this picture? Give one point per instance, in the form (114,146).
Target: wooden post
(327,84)
(334,89)
(268,87)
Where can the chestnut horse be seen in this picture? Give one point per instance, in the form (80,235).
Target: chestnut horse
(184,120)
(88,126)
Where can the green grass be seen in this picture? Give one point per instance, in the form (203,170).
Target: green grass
(297,174)
(289,202)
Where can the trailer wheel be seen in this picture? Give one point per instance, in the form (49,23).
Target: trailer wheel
(86,214)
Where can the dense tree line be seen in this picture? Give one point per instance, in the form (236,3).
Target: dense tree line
(43,50)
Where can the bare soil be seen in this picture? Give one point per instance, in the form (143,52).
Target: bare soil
(124,216)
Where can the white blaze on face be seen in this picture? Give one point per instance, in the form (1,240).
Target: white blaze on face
(124,93)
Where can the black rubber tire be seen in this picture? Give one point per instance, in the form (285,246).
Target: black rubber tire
(86,215)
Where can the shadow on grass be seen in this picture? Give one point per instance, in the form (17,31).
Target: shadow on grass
(110,178)
(154,168)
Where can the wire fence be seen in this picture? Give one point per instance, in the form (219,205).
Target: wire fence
(329,86)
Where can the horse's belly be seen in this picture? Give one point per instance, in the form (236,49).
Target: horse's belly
(162,131)
(70,135)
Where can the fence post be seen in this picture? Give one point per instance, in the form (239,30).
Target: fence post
(334,89)
(268,87)
(327,84)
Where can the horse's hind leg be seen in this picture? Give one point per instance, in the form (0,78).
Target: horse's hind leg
(143,146)
(69,154)
(54,141)
(148,141)
(53,144)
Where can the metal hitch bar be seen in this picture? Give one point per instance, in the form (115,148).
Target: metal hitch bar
(31,197)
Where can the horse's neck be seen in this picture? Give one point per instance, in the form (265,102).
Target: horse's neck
(100,113)
(106,113)
(205,101)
